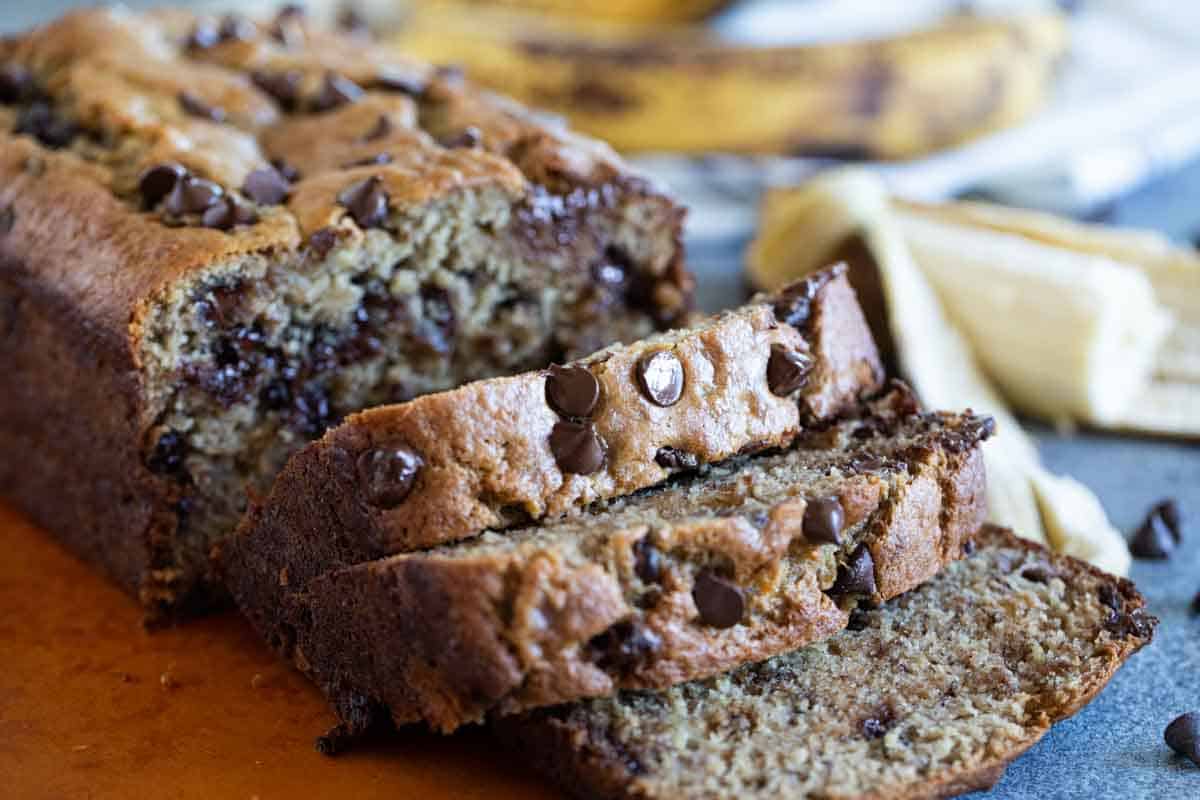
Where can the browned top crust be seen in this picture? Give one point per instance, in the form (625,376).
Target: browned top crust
(447,466)
(91,103)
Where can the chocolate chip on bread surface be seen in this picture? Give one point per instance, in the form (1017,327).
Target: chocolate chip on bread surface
(537,446)
(220,236)
(928,696)
(731,563)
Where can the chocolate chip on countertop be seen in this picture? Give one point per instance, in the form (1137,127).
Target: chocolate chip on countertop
(823,520)
(266,186)
(787,370)
(469,136)
(192,195)
(42,122)
(1183,736)
(577,447)
(196,106)
(1156,537)
(228,212)
(674,458)
(720,601)
(381,128)
(856,576)
(572,391)
(660,375)
(322,241)
(625,645)
(283,86)
(388,474)
(647,560)
(367,202)
(16,84)
(336,91)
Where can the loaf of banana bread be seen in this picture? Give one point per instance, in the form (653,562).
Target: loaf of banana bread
(218,237)
(725,564)
(926,697)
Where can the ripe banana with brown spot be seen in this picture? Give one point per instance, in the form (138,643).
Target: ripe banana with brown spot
(673,88)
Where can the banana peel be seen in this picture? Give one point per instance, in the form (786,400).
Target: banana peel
(674,88)
(801,228)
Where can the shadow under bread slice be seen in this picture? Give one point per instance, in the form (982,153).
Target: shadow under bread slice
(511,451)
(928,696)
(735,563)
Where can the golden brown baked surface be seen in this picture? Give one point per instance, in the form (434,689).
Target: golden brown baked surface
(218,237)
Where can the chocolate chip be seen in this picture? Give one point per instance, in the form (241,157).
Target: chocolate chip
(228,212)
(823,520)
(1183,736)
(169,453)
(401,83)
(436,328)
(236,28)
(624,646)
(1153,538)
(381,128)
(856,576)
(322,241)
(873,728)
(266,186)
(204,34)
(276,395)
(968,548)
(367,202)
(859,620)
(41,121)
(577,447)
(647,560)
(289,173)
(467,137)
(673,458)
(283,86)
(8,218)
(1039,573)
(336,91)
(192,195)
(787,370)
(1110,597)
(720,601)
(388,474)
(660,374)
(793,306)
(572,391)
(196,106)
(1136,623)
(16,84)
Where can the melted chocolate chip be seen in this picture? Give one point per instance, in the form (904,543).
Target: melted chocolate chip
(403,84)
(624,646)
(572,391)
(787,370)
(720,601)
(192,195)
(16,84)
(322,241)
(467,137)
(367,202)
(336,91)
(660,375)
(1183,736)
(647,560)
(856,576)
(266,186)
(196,106)
(388,474)
(381,128)
(577,447)
(823,521)
(283,86)
(673,458)
(40,121)
(169,453)
(228,212)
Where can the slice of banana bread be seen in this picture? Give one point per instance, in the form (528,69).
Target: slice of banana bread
(511,451)
(735,562)
(217,237)
(926,697)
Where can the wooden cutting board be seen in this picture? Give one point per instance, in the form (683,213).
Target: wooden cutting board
(93,706)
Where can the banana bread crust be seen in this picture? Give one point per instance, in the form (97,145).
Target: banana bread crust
(269,125)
